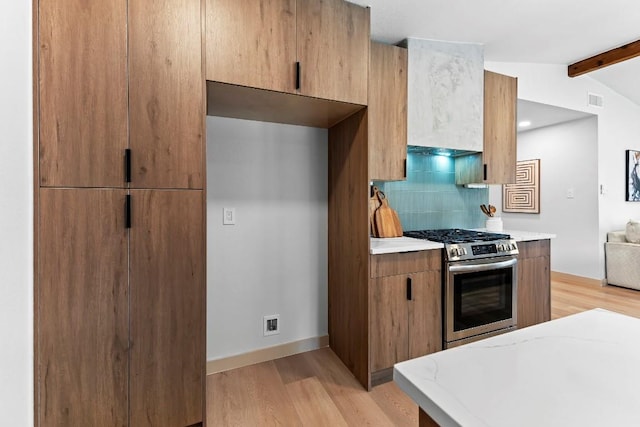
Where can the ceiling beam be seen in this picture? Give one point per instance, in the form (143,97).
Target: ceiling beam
(610,57)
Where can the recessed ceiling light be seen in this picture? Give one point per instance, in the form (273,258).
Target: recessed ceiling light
(524,124)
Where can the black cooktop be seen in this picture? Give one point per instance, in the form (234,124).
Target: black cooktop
(455,235)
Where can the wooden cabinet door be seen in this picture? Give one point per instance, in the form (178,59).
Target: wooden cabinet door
(425,314)
(166,101)
(167,307)
(333,50)
(252,43)
(388,322)
(500,99)
(387,112)
(83,323)
(83,92)
(534,281)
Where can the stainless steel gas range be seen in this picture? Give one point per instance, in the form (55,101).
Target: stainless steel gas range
(480,283)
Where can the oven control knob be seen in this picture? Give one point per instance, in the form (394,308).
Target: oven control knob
(455,252)
(463,251)
(502,248)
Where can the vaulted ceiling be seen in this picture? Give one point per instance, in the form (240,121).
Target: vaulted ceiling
(539,31)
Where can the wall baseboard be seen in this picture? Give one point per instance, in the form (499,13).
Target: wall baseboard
(577,280)
(266,354)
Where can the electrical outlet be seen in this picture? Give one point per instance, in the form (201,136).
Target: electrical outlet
(228,216)
(570,193)
(271,325)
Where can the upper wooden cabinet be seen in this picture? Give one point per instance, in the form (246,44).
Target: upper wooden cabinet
(257,43)
(83,92)
(113,77)
(497,162)
(387,111)
(166,94)
(252,43)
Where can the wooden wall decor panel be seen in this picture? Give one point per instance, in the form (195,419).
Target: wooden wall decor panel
(165,95)
(333,50)
(83,92)
(167,313)
(83,320)
(252,43)
(524,195)
(349,244)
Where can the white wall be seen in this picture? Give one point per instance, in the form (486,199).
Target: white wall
(274,260)
(618,130)
(16,213)
(568,160)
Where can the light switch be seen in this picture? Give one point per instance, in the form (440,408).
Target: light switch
(228,216)
(570,193)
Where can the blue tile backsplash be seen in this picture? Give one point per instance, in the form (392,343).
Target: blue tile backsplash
(430,199)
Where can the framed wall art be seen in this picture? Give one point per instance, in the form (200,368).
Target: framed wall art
(524,195)
(632,192)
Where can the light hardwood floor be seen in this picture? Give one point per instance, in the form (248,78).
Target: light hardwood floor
(316,389)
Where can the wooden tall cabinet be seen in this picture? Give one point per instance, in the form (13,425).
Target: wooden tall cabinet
(387,111)
(120,267)
(82,370)
(497,162)
(263,44)
(83,92)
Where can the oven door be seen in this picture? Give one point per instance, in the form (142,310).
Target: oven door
(480,297)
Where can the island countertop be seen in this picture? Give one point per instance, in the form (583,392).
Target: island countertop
(379,246)
(580,370)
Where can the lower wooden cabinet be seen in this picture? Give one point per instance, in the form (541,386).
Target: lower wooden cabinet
(534,283)
(82,309)
(405,310)
(120,312)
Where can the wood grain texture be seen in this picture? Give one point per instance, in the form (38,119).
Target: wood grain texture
(165,95)
(405,262)
(500,100)
(387,223)
(389,328)
(534,297)
(242,102)
(83,92)
(604,59)
(425,314)
(403,329)
(260,395)
(348,236)
(252,43)
(424,420)
(469,169)
(82,315)
(333,49)
(387,112)
(167,314)
(313,404)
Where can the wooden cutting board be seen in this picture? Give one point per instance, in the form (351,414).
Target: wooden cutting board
(374,204)
(387,222)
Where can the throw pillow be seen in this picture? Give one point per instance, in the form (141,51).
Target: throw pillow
(632,232)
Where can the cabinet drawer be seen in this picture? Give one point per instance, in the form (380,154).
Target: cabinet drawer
(534,249)
(405,262)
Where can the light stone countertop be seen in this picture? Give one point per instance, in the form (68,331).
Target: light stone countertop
(379,246)
(580,370)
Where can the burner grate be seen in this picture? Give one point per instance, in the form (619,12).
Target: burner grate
(455,235)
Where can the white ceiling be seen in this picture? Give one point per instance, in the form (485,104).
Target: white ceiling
(540,31)
(542,115)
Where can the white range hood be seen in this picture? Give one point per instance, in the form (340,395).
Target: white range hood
(445,94)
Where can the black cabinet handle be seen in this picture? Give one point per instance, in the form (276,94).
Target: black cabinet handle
(409,293)
(127,165)
(485,171)
(298,75)
(127,211)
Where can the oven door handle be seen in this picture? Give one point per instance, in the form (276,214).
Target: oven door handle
(482,267)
